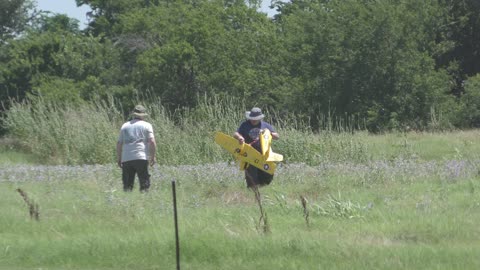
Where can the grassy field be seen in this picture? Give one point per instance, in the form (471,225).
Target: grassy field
(412,203)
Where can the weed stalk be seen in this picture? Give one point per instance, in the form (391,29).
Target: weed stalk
(33,207)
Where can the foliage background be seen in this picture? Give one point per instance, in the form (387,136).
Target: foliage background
(332,75)
(394,65)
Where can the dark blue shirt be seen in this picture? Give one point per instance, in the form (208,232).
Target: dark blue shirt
(251,132)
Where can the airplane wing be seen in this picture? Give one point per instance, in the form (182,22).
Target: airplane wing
(244,153)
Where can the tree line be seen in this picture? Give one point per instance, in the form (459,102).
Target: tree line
(395,64)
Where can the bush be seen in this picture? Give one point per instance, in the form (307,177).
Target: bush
(470,100)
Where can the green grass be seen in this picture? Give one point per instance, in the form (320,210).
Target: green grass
(10,154)
(387,201)
(16,157)
(399,215)
(426,146)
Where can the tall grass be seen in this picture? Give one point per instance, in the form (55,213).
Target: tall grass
(10,154)
(87,134)
(64,134)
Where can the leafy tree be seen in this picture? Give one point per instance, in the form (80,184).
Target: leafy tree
(371,58)
(59,23)
(56,65)
(470,103)
(181,50)
(14,17)
(105,13)
(462,28)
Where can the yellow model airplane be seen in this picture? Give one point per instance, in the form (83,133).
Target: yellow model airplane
(247,155)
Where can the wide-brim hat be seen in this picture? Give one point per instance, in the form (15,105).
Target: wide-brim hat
(254,114)
(139,111)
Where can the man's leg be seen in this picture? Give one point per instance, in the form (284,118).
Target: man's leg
(143,176)
(264,178)
(128,175)
(251,175)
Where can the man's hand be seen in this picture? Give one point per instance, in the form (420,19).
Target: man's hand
(119,154)
(239,137)
(153,150)
(153,160)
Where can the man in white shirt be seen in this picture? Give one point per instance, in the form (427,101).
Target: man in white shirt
(136,148)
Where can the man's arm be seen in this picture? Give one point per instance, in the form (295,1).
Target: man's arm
(153,150)
(119,153)
(239,137)
(275,135)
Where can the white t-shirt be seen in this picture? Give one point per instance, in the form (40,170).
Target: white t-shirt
(134,137)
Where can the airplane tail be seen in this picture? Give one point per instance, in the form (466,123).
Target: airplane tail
(265,141)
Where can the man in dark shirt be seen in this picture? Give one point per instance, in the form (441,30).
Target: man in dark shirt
(249,132)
